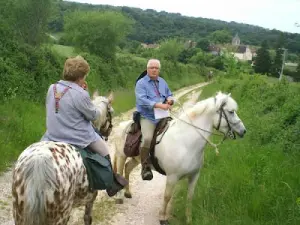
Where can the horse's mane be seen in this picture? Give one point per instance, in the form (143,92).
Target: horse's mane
(97,101)
(209,104)
(199,108)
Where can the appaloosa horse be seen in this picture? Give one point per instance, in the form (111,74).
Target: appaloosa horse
(49,178)
(180,152)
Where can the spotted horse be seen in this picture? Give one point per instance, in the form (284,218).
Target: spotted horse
(49,178)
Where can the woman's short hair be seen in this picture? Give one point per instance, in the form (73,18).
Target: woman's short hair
(75,68)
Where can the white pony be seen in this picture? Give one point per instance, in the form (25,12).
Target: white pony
(49,178)
(180,152)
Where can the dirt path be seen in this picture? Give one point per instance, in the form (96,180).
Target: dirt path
(142,209)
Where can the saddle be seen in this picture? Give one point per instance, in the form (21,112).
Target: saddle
(134,136)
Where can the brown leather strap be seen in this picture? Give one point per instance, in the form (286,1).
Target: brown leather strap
(58,96)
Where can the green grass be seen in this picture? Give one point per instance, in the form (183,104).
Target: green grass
(291,68)
(254,180)
(124,100)
(64,51)
(21,123)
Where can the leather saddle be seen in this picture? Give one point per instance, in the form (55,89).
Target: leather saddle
(134,136)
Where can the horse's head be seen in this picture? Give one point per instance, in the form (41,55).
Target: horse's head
(104,104)
(226,119)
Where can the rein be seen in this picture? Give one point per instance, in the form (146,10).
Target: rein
(212,133)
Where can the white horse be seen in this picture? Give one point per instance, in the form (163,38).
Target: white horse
(180,152)
(49,178)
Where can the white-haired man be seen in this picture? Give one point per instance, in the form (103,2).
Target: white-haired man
(151,92)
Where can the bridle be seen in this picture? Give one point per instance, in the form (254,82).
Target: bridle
(230,132)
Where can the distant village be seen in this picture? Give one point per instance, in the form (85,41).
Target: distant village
(240,51)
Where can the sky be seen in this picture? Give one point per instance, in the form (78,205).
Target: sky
(272,14)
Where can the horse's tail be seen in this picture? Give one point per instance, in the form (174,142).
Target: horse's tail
(39,175)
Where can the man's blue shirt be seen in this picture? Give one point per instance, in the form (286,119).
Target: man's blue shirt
(148,92)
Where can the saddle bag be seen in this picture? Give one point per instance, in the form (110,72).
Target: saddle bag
(98,168)
(133,141)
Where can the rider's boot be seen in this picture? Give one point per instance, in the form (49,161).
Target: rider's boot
(146,164)
(118,184)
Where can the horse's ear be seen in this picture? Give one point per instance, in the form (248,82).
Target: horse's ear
(227,97)
(221,99)
(95,94)
(110,97)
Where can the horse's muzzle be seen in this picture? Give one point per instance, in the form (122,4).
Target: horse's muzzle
(242,133)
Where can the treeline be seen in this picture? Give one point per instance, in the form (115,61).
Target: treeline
(274,66)
(167,25)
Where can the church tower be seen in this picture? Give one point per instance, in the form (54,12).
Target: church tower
(236,40)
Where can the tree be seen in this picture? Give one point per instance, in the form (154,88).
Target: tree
(56,20)
(203,44)
(231,65)
(170,49)
(31,20)
(220,36)
(263,59)
(97,32)
(297,77)
(200,58)
(276,67)
(186,55)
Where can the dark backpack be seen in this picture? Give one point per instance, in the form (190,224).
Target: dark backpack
(141,76)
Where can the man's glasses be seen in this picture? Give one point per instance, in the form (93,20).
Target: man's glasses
(153,68)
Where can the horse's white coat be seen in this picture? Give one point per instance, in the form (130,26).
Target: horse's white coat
(180,152)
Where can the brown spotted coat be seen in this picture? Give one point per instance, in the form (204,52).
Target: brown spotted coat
(68,189)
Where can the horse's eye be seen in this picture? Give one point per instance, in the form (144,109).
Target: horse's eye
(231,112)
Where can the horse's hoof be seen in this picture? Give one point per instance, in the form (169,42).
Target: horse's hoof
(119,201)
(127,195)
(164,222)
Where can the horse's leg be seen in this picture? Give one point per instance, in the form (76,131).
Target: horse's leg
(129,166)
(120,162)
(88,210)
(170,184)
(192,184)
(115,166)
